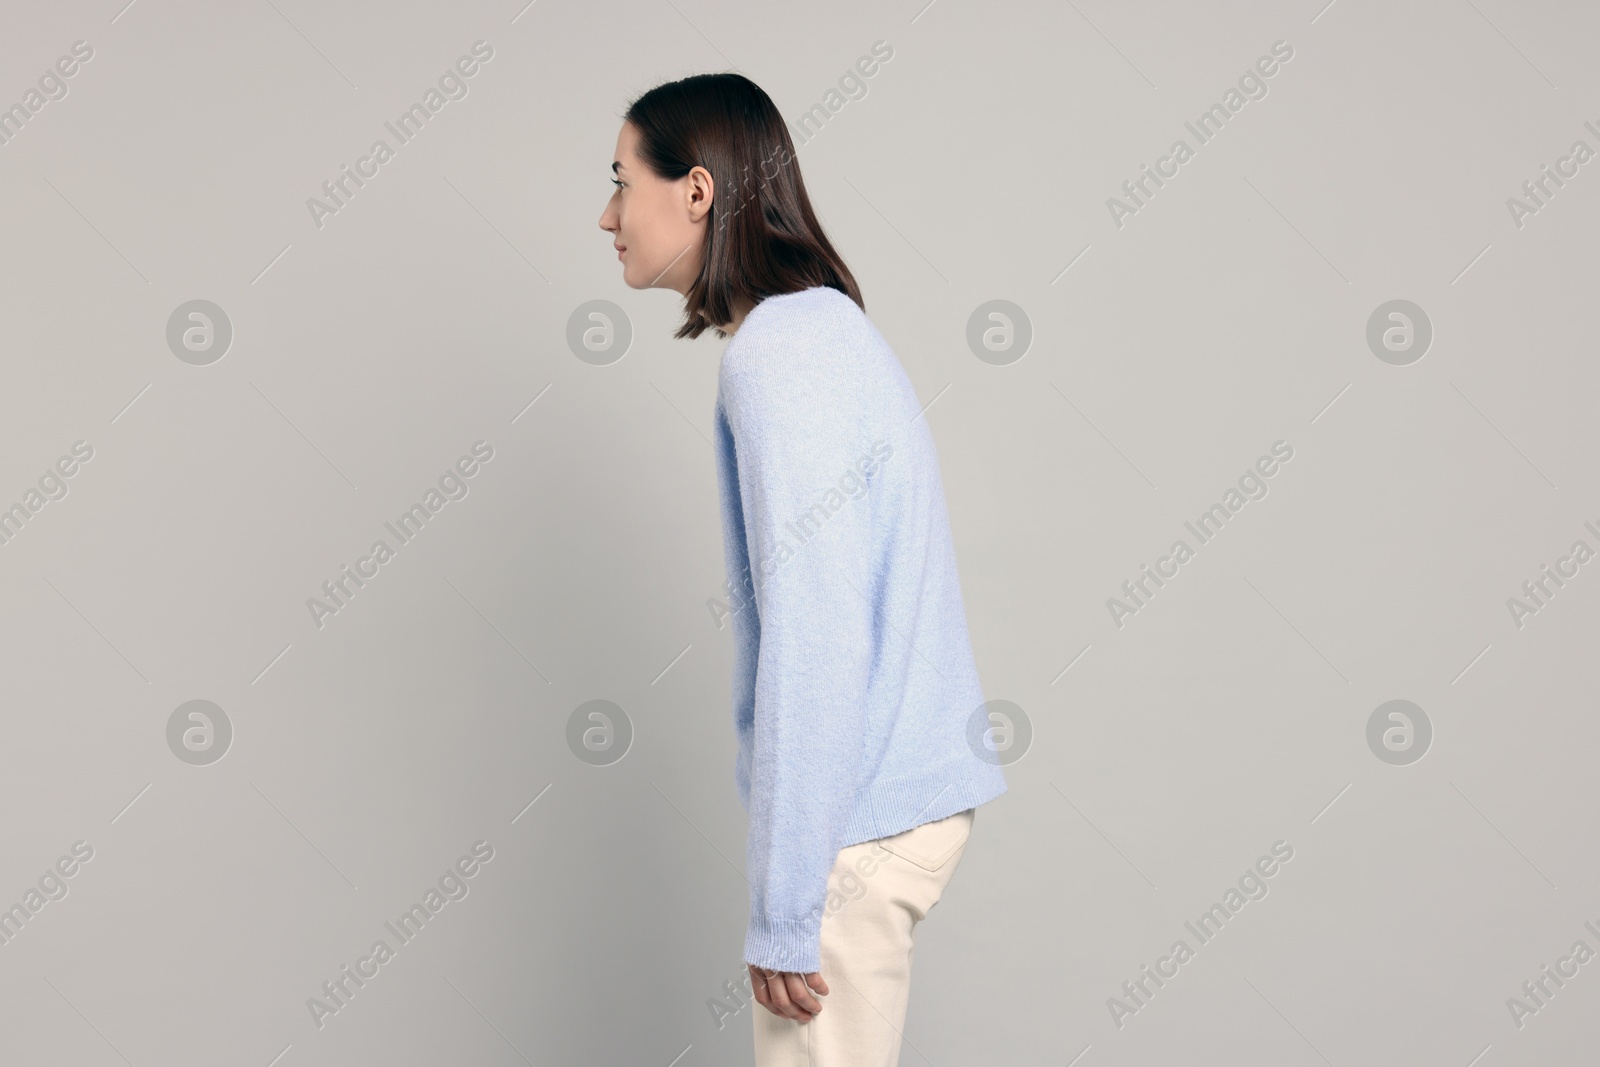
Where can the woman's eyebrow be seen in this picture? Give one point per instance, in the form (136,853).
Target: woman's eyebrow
(614,165)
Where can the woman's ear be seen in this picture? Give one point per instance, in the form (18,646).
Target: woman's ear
(700,190)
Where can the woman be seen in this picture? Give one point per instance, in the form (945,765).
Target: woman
(855,695)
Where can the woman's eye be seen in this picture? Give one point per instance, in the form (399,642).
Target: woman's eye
(617,183)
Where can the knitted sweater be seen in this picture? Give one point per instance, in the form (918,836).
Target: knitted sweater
(855,695)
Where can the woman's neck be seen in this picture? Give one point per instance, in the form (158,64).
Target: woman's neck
(739,313)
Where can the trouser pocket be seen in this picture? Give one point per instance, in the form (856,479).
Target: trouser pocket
(931,845)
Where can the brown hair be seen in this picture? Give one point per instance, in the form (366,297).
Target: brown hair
(762,238)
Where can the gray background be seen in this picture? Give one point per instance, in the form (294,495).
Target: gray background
(432,711)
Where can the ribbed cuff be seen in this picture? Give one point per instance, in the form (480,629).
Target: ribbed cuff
(785,945)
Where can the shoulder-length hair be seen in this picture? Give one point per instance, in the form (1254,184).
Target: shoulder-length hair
(762,238)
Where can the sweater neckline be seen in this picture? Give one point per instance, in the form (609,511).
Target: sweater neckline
(812,291)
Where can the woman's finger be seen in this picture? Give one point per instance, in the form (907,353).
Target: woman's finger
(758,986)
(778,990)
(800,996)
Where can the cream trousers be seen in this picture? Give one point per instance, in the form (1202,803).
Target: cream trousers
(877,893)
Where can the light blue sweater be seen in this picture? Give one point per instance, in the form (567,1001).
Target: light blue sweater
(855,694)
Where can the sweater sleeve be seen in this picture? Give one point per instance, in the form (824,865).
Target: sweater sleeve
(810,549)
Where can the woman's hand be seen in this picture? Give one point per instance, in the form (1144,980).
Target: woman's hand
(785,993)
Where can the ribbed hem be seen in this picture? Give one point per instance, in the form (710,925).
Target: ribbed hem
(895,806)
(885,809)
(785,945)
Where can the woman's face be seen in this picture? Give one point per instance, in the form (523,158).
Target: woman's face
(659,225)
